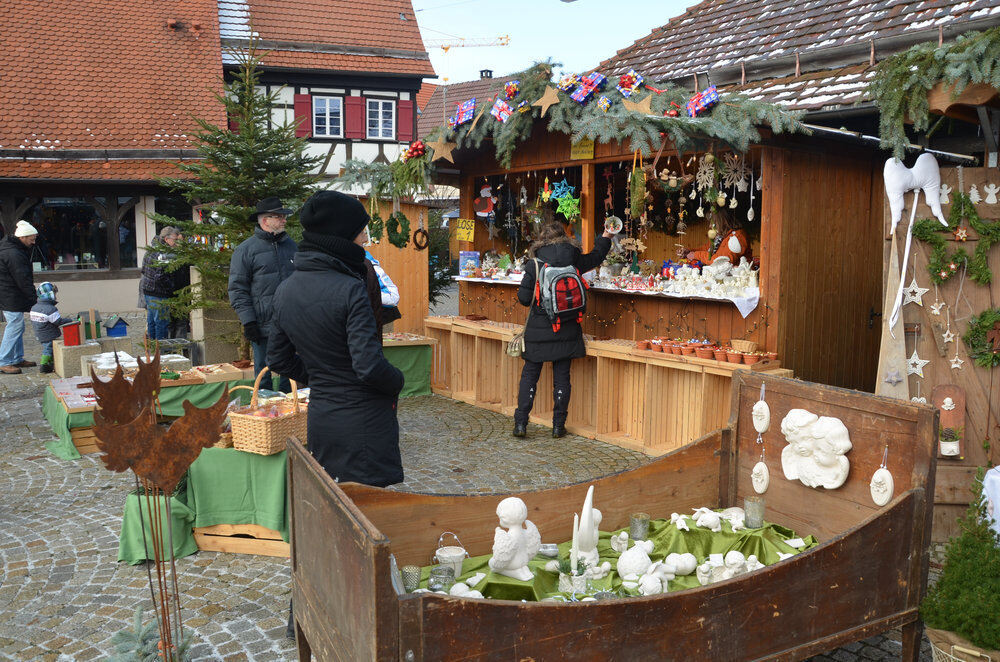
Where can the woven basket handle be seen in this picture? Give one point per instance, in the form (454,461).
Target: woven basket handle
(256,389)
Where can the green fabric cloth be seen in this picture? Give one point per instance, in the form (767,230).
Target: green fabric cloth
(171,401)
(130,542)
(414,361)
(227,486)
(764,542)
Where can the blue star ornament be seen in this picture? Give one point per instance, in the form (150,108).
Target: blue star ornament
(562,189)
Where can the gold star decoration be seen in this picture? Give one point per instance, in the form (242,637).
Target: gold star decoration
(442,149)
(476,120)
(550,98)
(643,106)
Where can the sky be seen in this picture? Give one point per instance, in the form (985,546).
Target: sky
(578,34)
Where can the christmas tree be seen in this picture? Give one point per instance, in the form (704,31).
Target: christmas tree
(257,159)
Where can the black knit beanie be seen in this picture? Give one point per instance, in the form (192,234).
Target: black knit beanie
(333,213)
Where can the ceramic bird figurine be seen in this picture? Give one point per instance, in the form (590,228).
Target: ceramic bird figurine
(635,561)
(515,542)
(707,518)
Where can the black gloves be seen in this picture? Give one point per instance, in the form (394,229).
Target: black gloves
(251,331)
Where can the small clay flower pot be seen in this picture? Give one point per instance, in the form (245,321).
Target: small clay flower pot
(642,344)
(657,347)
(687,350)
(771,356)
(734,357)
(750,359)
(676,349)
(704,352)
(720,354)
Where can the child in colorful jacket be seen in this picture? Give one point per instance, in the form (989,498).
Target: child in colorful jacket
(46,320)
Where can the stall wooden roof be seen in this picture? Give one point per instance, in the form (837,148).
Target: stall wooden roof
(442,102)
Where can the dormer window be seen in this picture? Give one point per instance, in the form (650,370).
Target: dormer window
(381,119)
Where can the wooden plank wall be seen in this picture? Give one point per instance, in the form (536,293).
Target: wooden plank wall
(829,203)
(408,269)
(981,385)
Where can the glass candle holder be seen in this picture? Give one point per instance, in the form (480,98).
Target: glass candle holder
(411,578)
(442,578)
(638,526)
(753,508)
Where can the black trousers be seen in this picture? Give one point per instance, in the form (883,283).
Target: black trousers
(560,390)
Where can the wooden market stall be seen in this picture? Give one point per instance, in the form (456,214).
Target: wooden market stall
(814,234)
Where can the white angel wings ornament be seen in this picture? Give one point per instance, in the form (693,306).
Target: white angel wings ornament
(515,542)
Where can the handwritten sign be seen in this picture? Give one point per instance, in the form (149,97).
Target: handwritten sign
(582,150)
(465,229)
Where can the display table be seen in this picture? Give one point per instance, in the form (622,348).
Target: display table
(412,354)
(637,399)
(229,493)
(74,428)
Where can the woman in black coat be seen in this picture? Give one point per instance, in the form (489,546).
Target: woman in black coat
(541,342)
(323,334)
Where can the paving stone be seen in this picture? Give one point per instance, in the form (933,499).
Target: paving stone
(64,592)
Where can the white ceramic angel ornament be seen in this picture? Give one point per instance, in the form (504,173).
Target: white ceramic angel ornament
(991,193)
(945,194)
(816,450)
(518,544)
(882,484)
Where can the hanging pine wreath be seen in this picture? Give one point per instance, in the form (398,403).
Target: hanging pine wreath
(375,227)
(421,240)
(397,227)
(983,338)
(940,265)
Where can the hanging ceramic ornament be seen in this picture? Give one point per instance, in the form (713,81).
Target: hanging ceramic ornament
(914,293)
(760,476)
(915,364)
(974,196)
(956,363)
(948,336)
(945,194)
(991,193)
(938,304)
(882,484)
(750,212)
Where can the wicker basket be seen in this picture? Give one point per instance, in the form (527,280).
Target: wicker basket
(745,346)
(267,436)
(225,440)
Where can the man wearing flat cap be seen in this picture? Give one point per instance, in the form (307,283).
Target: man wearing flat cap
(17,295)
(324,334)
(258,266)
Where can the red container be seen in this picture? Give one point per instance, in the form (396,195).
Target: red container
(71,334)
(720,355)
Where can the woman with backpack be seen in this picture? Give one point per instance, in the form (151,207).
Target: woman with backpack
(556,301)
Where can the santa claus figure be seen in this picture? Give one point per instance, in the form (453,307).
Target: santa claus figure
(483,205)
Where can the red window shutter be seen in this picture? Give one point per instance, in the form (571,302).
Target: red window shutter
(303,116)
(354,118)
(404,121)
(234,124)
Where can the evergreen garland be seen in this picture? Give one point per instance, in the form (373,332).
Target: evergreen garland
(939,263)
(902,82)
(397,227)
(980,349)
(733,121)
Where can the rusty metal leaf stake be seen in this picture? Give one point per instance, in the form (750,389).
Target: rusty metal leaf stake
(127,431)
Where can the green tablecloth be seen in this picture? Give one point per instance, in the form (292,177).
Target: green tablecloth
(415,363)
(224,486)
(171,401)
(130,542)
(764,542)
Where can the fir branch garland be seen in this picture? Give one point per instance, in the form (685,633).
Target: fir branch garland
(980,350)
(938,263)
(734,120)
(902,82)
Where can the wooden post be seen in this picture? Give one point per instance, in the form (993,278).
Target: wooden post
(93,324)
(588,205)
(466,194)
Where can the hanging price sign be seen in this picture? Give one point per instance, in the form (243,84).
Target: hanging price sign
(465,229)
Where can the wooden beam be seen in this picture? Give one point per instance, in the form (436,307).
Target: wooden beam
(588,205)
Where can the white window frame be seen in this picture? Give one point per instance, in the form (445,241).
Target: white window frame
(382,105)
(340,127)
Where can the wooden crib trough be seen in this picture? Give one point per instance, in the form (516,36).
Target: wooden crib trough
(867,575)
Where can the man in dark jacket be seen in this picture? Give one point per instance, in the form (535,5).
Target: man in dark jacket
(323,334)
(543,343)
(257,267)
(17,295)
(157,283)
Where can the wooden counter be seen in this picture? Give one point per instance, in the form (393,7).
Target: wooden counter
(637,399)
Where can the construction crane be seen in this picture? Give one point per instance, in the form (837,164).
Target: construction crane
(446,45)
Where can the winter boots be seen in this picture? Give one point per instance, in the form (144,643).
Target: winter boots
(47,365)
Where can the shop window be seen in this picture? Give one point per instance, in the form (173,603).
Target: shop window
(71,235)
(127,237)
(174,206)
(381,119)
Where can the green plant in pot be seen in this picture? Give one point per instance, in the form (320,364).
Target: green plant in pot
(962,610)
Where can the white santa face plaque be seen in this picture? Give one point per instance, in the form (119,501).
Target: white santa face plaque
(760,477)
(881,486)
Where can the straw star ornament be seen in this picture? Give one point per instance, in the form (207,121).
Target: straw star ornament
(914,293)
(644,106)
(549,98)
(442,149)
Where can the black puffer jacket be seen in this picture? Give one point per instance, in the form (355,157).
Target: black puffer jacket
(156,281)
(323,334)
(17,289)
(258,266)
(541,343)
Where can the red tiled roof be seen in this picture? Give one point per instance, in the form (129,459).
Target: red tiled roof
(338,62)
(442,103)
(424,95)
(355,29)
(93,74)
(723,33)
(141,170)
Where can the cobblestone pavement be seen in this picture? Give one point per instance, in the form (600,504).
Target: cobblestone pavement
(63,595)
